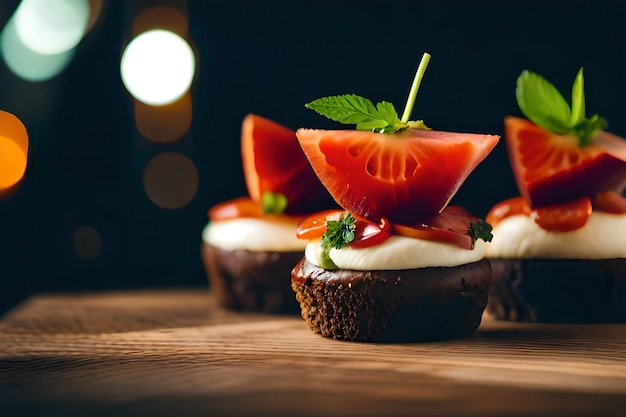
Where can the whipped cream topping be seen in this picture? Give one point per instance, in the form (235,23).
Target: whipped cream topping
(254,235)
(398,252)
(519,237)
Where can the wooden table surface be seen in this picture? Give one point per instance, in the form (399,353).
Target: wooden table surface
(173,352)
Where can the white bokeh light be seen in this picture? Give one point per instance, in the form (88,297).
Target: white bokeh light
(51,27)
(26,63)
(157,67)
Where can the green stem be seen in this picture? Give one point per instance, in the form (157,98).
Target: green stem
(408,109)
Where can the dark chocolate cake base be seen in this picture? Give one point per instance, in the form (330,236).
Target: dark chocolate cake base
(558,290)
(414,305)
(251,280)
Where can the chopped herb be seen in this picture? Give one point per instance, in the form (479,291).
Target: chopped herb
(273,203)
(480,230)
(340,232)
(325,261)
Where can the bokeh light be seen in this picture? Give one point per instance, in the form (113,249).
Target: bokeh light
(171,17)
(13,150)
(51,27)
(170,180)
(40,38)
(87,243)
(157,67)
(27,63)
(164,124)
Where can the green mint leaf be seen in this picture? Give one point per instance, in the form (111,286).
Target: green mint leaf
(273,203)
(480,230)
(578,99)
(360,111)
(340,232)
(353,109)
(542,103)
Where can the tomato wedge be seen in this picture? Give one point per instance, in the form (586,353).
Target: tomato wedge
(563,217)
(273,161)
(405,177)
(367,233)
(450,226)
(553,169)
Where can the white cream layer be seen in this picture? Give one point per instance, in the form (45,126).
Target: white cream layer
(519,237)
(254,235)
(398,252)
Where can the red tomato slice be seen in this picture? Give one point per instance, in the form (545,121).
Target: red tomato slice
(273,161)
(450,226)
(232,209)
(562,217)
(551,169)
(609,202)
(367,233)
(506,208)
(314,226)
(245,207)
(406,177)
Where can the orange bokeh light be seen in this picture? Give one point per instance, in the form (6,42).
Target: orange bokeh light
(164,124)
(13,150)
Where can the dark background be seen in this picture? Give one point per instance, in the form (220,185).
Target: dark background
(269,58)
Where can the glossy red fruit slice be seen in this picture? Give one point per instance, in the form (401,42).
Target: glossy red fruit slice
(245,207)
(273,161)
(551,168)
(367,233)
(452,225)
(405,177)
(563,217)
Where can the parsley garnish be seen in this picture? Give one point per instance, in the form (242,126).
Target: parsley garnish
(273,203)
(544,105)
(380,118)
(340,232)
(480,230)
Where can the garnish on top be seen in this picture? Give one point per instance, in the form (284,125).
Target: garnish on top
(544,105)
(559,155)
(340,232)
(406,174)
(382,118)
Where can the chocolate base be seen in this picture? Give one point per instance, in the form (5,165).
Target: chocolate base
(413,305)
(251,280)
(558,290)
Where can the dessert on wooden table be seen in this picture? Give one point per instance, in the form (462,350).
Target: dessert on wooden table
(397,262)
(249,244)
(559,249)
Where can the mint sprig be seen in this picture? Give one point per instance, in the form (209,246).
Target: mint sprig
(360,111)
(541,102)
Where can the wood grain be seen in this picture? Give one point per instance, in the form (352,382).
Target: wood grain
(174,352)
